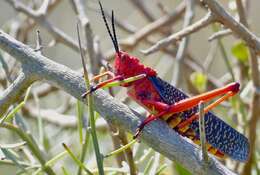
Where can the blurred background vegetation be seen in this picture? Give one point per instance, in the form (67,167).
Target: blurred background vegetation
(52,117)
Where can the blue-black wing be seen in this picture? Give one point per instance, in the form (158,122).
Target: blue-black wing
(218,133)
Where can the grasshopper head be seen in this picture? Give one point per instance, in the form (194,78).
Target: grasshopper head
(125,65)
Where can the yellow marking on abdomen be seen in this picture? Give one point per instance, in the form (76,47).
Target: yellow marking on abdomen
(184,129)
(213,150)
(191,135)
(166,117)
(174,121)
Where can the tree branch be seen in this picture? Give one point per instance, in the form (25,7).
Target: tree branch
(13,93)
(238,28)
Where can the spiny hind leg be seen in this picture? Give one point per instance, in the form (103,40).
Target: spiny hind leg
(185,124)
(188,103)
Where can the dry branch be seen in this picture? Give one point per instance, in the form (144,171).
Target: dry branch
(203,22)
(229,22)
(40,17)
(13,93)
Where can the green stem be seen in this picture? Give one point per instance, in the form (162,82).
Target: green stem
(160,169)
(148,166)
(52,161)
(99,157)
(65,172)
(80,121)
(224,54)
(77,160)
(84,149)
(59,156)
(121,148)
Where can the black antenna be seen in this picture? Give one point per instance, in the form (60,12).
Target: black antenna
(114,39)
(114,30)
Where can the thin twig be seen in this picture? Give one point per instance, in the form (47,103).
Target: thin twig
(13,93)
(229,22)
(27,24)
(44,90)
(203,141)
(122,24)
(202,23)
(85,23)
(39,17)
(241,12)
(153,27)
(225,55)
(220,34)
(210,57)
(38,47)
(144,9)
(189,14)
(58,119)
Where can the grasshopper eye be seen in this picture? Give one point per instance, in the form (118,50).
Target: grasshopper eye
(123,57)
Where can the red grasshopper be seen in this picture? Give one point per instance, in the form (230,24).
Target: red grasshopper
(165,101)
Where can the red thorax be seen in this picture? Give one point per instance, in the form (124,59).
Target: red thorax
(129,66)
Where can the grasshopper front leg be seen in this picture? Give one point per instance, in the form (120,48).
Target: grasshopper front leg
(97,77)
(116,81)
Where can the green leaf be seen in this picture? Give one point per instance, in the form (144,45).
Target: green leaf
(64,170)
(199,80)
(76,160)
(161,169)
(52,162)
(121,149)
(9,155)
(148,166)
(21,122)
(241,52)
(56,158)
(181,170)
(17,108)
(46,142)
(11,146)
